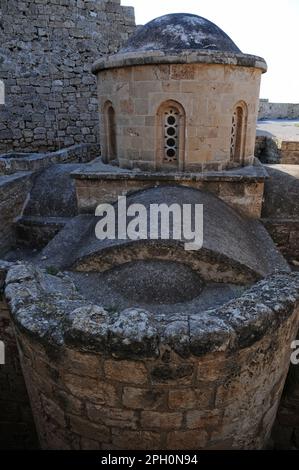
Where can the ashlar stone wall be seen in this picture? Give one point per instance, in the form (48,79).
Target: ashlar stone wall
(46,51)
(208,95)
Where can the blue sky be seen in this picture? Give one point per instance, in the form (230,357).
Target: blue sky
(268,28)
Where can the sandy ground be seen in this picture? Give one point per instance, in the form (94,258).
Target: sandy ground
(279,128)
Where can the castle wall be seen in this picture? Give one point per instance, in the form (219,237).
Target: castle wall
(269,110)
(286,430)
(47,48)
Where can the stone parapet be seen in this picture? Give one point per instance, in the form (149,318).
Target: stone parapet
(13,162)
(134,380)
(205,96)
(100,183)
(14,190)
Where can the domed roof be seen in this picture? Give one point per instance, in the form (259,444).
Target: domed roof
(180,31)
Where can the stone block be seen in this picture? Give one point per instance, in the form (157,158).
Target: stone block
(192,399)
(161,420)
(126,372)
(112,417)
(187,440)
(139,398)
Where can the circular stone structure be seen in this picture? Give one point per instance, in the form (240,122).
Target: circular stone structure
(179,95)
(133,379)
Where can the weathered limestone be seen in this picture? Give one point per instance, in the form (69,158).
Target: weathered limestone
(17,180)
(274,150)
(289,153)
(17,429)
(47,48)
(208,94)
(14,190)
(123,380)
(242,257)
(99,183)
(280,213)
(102,377)
(286,428)
(194,80)
(13,162)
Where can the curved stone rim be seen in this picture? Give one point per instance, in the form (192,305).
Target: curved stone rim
(61,317)
(130,59)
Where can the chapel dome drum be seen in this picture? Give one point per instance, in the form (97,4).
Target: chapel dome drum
(179,96)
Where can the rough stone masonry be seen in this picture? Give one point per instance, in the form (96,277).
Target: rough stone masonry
(46,51)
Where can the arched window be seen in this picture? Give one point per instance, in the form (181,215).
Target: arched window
(238,132)
(171,136)
(109,147)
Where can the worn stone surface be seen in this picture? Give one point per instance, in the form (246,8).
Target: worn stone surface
(28,187)
(36,232)
(17,430)
(223,261)
(45,60)
(53,193)
(13,162)
(241,188)
(137,376)
(69,317)
(108,289)
(185,65)
(205,95)
(14,191)
(280,213)
(267,148)
(286,430)
(268,110)
(97,377)
(277,141)
(179,31)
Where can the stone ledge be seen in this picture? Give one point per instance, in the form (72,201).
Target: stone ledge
(130,59)
(97,170)
(8,180)
(15,161)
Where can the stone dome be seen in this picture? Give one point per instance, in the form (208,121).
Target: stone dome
(180,31)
